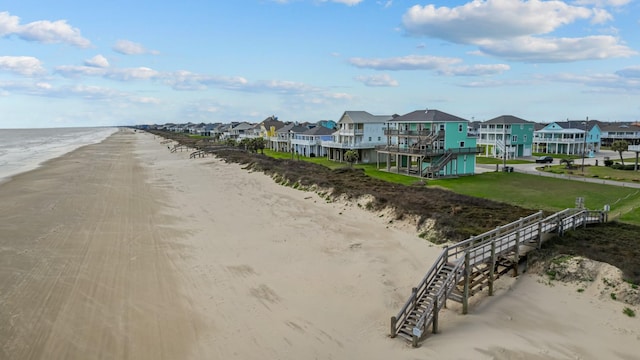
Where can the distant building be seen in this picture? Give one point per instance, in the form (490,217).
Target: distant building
(429,143)
(629,132)
(506,135)
(571,137)
(359,131)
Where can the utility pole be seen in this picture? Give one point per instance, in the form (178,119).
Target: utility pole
(584,146)
(504,146)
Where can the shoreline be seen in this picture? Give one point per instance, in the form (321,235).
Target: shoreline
(147,254)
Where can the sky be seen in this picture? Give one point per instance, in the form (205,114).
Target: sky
(83,63)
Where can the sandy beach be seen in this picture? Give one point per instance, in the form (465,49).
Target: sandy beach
(123,250)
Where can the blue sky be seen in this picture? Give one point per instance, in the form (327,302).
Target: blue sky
(71,63)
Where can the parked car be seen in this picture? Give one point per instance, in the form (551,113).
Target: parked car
(544,160)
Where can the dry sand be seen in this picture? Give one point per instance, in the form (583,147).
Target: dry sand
(122,250)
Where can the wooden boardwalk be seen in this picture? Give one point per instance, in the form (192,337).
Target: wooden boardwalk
(465,268)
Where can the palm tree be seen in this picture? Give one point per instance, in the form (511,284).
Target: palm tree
(620,146)
(351,156)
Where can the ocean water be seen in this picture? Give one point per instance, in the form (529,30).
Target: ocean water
(22,150)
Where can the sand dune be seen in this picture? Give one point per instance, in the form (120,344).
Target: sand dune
(122,250)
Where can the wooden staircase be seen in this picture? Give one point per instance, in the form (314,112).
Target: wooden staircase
(434,169)
(466,268)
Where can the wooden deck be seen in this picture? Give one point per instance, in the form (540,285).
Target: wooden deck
(465,268)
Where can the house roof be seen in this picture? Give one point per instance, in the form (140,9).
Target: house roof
(297,129)
(508,119)
(319,130)
(242,126)
(428,116)
(272,121)
(627,127)
(363,117)
(577,124)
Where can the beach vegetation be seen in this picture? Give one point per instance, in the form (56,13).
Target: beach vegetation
(629,312)
(620,146)
(613,296)
(351,156)
(580,290)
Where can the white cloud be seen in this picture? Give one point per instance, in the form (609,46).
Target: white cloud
(603,3)
(599,82)
(346,2)
(76,71)
(22,65)
(630,72)
(383,80)
(48,32)
(410,62)
(127,74)
(127,47)
(493,26)
(43,31)
(530,49)
(601,16)
(475,70)
(9,24)
(186,80)
(491,19)
(97,61)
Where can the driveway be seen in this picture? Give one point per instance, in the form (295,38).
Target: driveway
(599,157)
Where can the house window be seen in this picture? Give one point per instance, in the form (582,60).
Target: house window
(379,138)
(369,138)
(459,127)
(514,138)
(525,138)
(461,144)
(441,127)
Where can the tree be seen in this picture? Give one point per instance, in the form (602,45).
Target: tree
(620,146)
(258,144)
(568,163)
(246,144)
(351,156)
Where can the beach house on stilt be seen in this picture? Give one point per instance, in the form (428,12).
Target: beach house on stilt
(428,143)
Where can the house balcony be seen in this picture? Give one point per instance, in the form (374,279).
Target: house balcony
(350,132)
(621,136)
(557,140)
(348,145)
(305,142)
(394,149)
(413,133)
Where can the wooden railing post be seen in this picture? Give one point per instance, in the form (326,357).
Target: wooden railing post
(540,232)
(414,296)
(517,249)
(465,292)
(493,267)
(394,321)
(435,316)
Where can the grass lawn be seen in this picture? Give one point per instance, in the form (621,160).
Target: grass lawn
(601,172)
(528,191)
(544,193)
(490,160)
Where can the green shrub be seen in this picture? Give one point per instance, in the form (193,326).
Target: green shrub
(608,162)
(629,312)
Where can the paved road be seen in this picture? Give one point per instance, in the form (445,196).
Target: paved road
(599,157)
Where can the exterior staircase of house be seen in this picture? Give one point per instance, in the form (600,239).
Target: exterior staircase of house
(433,170)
